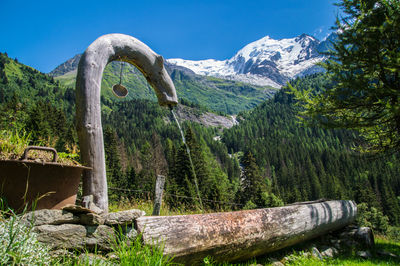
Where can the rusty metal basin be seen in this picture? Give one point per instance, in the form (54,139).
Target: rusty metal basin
(42,185)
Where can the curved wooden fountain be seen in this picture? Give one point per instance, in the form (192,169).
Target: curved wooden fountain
(108,48)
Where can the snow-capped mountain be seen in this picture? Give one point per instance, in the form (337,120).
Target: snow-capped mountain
(263,62)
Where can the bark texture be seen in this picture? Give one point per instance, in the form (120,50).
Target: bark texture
(102,51)
(233,236)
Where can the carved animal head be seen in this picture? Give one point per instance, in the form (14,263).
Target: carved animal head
(162,83)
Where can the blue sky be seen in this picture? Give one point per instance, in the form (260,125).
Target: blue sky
(44,34)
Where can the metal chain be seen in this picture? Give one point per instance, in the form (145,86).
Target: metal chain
(120,74)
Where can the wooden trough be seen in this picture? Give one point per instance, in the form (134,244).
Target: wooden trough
(235,236)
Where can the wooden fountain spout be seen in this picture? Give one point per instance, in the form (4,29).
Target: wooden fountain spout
(102,51)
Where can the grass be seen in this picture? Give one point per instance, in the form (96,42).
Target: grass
(135,253)
(298,255)
(68,79)
(124,252)
(147,206)
(19,246)
(13,144)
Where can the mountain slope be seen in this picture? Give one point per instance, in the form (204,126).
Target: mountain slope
(263,62)
(306,163)
(67,66)
(219,95)
(228,86)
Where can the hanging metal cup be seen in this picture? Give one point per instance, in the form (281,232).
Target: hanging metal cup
(120,91)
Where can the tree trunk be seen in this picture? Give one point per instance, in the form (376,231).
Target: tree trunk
(233,236)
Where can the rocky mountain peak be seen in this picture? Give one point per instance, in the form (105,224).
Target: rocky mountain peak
(263,62)
(67,66)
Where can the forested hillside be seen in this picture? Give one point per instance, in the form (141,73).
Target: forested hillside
(267,160)
(219,95)
(35,103)
(306,163)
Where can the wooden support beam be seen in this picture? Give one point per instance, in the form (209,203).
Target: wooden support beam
(158,195)
(233,236)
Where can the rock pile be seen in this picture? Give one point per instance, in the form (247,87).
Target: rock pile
(359,240)
(77,227)
(350,237)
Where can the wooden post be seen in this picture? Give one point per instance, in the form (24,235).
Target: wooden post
(102,51)
(159,193)
(233,236)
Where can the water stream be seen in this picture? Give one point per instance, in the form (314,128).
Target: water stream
(190,157)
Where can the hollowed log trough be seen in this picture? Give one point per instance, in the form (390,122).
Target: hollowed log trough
(235,236)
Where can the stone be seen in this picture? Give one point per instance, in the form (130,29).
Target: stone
(100,237)
(123,217)
(348,233)
(91,219)
(365,237)
(306,254)
(65,236)
(92,259)
(329,252)
(76,209)
(73,236)
(87,202)
(386,254)
(52,217)
(112,256)
(131,234)
(275,262)
(364,254)
(61,253)
(350,243)
(315,253)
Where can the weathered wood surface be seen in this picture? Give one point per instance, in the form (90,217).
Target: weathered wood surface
(159,194)
(233,236)
(102,51)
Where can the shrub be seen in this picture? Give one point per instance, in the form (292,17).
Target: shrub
(19,245)
(372,217)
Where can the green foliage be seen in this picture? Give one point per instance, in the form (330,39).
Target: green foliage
(307,163)
(135,253)
(225,96)
(270,200)
(364,71)
(372,217)
(213,183)
(219,95)
(19,245)
(33,102)
(13,144)
(250,205)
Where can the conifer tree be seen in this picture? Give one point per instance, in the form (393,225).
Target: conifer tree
(365,73)
(253,184)
(113,164)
